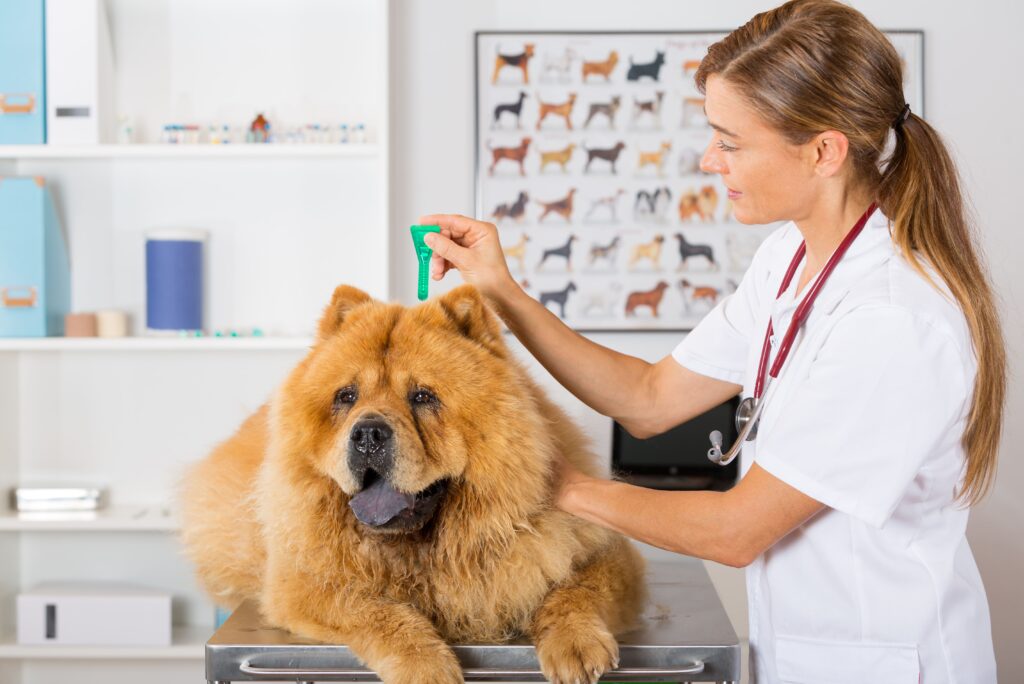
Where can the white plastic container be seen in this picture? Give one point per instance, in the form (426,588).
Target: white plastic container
(94,614)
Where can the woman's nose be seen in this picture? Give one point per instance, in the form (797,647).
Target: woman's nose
(712,161)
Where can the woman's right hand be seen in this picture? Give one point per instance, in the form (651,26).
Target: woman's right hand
(470,246)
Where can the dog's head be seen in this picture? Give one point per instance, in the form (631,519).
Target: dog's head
(409,411)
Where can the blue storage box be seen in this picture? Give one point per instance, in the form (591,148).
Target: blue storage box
(22,81)
(35,278)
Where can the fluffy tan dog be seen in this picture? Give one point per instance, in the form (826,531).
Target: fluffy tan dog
(395,494)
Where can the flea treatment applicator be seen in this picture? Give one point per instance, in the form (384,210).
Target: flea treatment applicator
(423,253)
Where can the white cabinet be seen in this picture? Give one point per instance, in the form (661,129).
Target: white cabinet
(287,222)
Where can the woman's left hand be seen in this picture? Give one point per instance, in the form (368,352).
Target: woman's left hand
(566,475)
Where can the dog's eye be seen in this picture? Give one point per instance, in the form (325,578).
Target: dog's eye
(422,396)
(346,395)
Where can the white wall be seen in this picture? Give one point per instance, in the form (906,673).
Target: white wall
(971,48)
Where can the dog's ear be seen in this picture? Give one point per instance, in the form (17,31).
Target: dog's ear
(344,299)
(467,313)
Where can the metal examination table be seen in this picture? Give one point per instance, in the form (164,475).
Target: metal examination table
(685,636)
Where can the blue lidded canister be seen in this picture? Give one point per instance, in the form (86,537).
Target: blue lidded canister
(174,279)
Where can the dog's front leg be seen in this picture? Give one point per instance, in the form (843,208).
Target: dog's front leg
(574,628)
(393,639)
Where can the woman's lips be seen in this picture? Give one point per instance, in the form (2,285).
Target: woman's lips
(733,194)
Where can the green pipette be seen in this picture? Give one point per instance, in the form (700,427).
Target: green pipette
(423,253)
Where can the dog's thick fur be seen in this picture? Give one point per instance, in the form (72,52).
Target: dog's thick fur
(266,516)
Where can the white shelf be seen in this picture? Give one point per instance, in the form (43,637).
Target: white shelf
(185,151)
(113,519)
(187,643)
(120,344)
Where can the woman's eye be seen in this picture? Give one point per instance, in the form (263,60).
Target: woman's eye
(725,148)
(346,395)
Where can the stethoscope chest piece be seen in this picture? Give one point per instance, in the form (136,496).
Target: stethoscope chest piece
(744,413)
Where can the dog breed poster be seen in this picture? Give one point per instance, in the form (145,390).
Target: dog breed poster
(588,149)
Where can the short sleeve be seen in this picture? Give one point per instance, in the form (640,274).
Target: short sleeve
(881,395)
(719,344)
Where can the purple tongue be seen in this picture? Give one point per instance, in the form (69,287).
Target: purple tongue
(380,503)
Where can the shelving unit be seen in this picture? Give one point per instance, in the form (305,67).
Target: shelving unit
(287,223)
(114,519)
(196,151)
(186,644)
(142,344)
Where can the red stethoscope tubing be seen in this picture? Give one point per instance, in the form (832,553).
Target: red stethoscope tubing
(805,306)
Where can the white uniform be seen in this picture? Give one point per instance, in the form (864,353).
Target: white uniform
(867,418)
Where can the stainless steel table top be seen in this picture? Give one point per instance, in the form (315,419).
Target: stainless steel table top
(685,636)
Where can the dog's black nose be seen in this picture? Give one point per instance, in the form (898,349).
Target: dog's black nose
(369,436)
(370,448)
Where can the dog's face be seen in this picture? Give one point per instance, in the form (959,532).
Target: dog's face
(403,408)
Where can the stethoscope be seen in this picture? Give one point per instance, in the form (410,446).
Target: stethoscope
(749,411)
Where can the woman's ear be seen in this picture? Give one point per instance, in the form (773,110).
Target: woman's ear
(831,149)
(344,299)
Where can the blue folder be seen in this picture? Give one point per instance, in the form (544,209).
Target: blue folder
(35,277)
(22,79)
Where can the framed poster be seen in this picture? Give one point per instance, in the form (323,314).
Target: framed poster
(588,147)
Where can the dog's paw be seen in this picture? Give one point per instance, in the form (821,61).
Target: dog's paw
(577,656)
(415,670)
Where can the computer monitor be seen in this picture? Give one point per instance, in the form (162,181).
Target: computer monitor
(678,458)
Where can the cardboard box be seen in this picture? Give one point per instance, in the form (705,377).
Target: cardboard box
(94,614)
(22,80)
(35,276)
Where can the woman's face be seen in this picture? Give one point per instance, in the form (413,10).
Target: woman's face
(768,178)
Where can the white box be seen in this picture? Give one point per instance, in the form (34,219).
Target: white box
(79,74)
(58,497)
(94,614)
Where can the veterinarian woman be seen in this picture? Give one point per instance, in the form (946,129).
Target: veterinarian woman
(851,513)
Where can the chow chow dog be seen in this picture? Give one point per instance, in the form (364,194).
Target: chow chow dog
(395,495)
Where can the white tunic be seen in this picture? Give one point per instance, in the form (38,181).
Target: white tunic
(867,418)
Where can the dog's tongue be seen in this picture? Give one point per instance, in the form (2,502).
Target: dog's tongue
(380,503)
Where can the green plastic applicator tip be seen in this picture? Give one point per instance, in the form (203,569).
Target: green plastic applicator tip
(423,253)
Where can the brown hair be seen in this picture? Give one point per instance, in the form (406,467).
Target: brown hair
(814,65)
